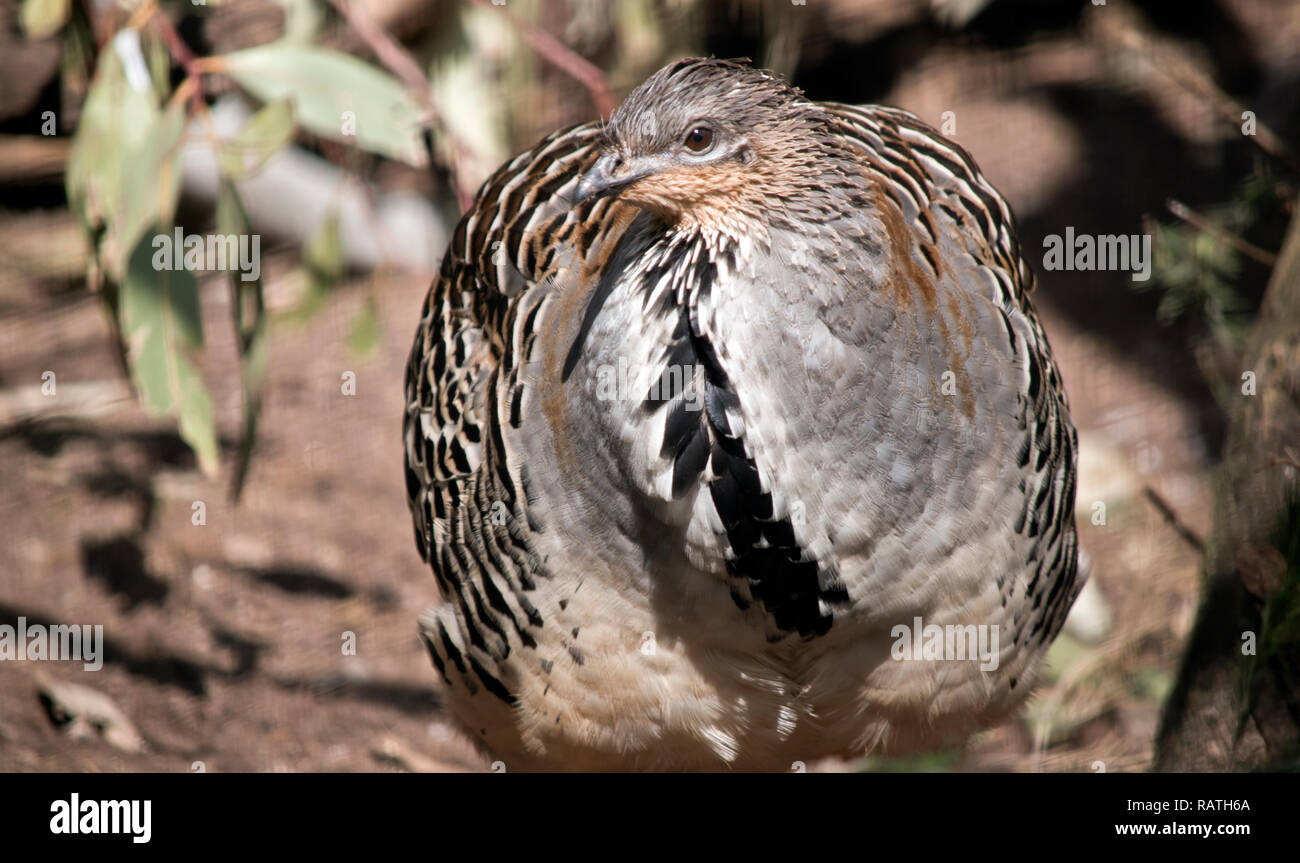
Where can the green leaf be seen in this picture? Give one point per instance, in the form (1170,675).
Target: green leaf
(196,423)
(335,96)
(161,325)
(42,18)
(158,176)
(158,60)
(473,104)
(302,20)
(121,177)
(261,137)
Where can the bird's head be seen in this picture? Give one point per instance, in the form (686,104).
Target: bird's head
(712,143)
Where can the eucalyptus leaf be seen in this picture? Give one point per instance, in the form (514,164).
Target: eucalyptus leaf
(262,136)
(468,94)
(302,20)
(162,328)
(157,177)
(119,178)
(335,96)
(42,18)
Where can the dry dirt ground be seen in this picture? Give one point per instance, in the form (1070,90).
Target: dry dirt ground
(225,640)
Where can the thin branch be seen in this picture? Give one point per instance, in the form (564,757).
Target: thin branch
(564,58)
(1176,67)
(386,48)
(399,61)
(1196,220)
(1162,506)
(81,401)
(32,158)
(149,14)
(1289,459)
(98,30)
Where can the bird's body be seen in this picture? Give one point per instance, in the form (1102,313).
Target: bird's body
(691,436)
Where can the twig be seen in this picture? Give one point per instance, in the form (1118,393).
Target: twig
(98,31)
(1106,654)
(32,158)
(1289,459)
(150,14)
(565,59)
(80,401)
(399,61)
(1162,506)
(1175,66)
(1191,217)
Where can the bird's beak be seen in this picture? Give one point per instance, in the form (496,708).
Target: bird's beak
(610,173)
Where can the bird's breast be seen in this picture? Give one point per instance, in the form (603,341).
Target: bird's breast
(773,416)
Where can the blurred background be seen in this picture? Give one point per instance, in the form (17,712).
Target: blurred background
(210,466)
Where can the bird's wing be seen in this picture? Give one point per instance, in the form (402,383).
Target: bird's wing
(504,246)
(931,179)
(928,170)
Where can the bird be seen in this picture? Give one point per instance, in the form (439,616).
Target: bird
(734,442)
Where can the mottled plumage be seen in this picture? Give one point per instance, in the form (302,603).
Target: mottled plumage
(691,432)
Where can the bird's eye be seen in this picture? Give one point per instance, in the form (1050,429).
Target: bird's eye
(699,139)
